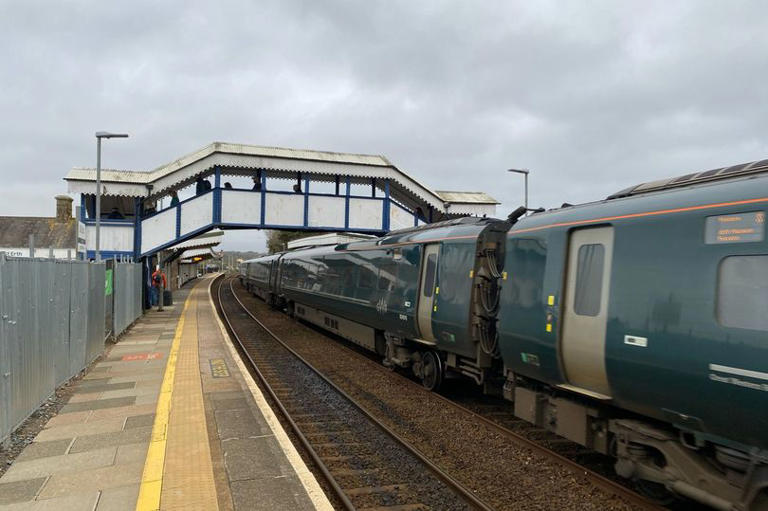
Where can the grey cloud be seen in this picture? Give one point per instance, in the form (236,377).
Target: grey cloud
(592,96)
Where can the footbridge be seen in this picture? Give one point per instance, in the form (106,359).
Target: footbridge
(235,186)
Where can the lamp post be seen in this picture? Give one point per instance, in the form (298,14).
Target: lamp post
(99,136)
(525,173)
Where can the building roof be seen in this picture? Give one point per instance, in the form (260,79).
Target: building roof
(466,197)
(143,177)
(208,239)
(49,233)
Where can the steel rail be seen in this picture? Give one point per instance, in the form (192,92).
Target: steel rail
(577,469)
(452,483)
(296,430)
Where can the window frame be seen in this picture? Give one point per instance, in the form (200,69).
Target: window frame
(577,304)
(719,289)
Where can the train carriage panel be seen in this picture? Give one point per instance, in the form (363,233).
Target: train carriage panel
(451,308)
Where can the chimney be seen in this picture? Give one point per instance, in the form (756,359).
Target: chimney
(63,208)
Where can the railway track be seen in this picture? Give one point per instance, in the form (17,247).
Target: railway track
(365,463)
(547,445)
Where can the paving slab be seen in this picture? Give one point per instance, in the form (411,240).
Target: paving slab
(237,403)
(95,479)
(137,421)
(146,399)
(280,493)
(103,387)
(239,424)
(98,404)
(87,428)
(255,458)
(122,498)
(92,382)
(130,453)
(76,502)
(144,390)
(68,418)
(122,411)
(44,449)
(128,436)
(20,491)
(42,467)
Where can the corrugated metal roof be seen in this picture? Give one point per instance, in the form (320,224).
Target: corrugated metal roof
(208,239)
(141,177)
(274,160)
(466,197)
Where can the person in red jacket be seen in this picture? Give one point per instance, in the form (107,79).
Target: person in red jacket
(158,279)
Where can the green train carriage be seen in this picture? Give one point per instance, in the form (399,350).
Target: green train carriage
(638,326)
(415,296)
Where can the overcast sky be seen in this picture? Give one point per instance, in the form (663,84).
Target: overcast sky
(591,96)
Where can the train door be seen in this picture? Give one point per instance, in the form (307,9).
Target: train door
(427,291)
(582,345)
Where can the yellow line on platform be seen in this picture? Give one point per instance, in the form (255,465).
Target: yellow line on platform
(152,479)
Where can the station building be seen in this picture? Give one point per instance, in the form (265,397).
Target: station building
(48,237)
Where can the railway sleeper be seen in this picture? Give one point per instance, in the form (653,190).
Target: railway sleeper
(368,490)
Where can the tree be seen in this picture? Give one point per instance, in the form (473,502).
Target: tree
(277,241)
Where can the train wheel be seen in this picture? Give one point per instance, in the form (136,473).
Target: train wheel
(656,492)
(432,371)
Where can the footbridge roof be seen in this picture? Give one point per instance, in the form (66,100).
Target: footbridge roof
(276,162)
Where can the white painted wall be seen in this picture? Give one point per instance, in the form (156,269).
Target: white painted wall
(43,252)
(365,213)
(284,209)
(240,207)
(113,237)
(399,218)
(326,211)
(158,230)
(473,209)
(196,213)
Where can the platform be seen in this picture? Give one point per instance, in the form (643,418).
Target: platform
(170,419)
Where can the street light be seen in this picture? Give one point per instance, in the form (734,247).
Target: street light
(99,136)
(525,172)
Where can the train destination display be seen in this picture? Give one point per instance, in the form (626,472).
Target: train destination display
(735,228)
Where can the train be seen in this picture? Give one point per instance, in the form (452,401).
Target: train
(636,325)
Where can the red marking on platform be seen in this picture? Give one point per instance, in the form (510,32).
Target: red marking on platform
(141,356)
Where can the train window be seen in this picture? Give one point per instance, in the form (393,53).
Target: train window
(742,292)
(366,278)
(589,280)
(387,276)
(429,275)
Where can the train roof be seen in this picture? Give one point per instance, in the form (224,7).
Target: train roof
(750,190)
(458,228)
